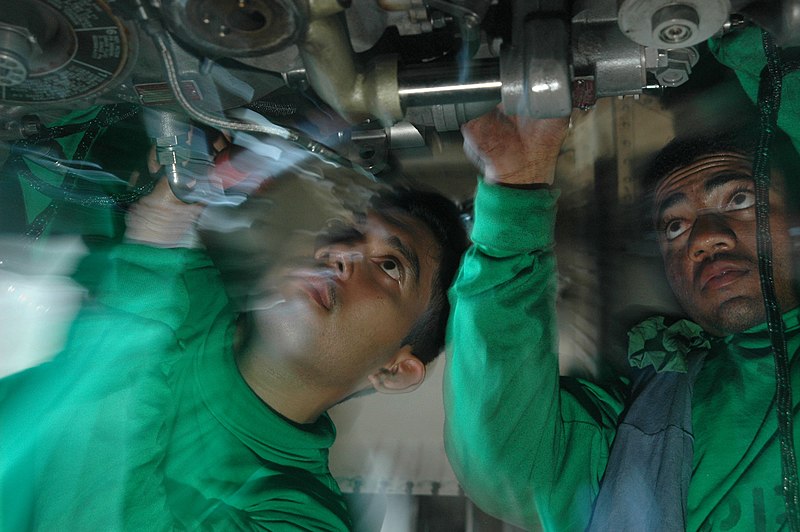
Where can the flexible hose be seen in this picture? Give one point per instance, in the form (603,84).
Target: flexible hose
(769,101)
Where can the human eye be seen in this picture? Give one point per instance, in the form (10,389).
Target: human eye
(741,198)
(674,228)
(391,267)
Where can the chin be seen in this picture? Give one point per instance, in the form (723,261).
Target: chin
(287,327)
(735,315)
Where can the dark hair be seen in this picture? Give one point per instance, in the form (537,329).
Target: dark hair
(443,218)
(684,150)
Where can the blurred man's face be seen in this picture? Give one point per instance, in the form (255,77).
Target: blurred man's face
(705,218)
(341,316)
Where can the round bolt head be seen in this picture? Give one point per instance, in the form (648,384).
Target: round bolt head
(675,24)
(13,69)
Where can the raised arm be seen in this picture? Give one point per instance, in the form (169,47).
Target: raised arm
(143,421)
(525,445)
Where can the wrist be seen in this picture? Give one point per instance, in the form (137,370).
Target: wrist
(526,186)
(163,227)
(535,172)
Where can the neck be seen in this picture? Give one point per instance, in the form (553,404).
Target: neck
(279,383)
(790,321)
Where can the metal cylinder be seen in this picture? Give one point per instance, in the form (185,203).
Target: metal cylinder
(617,64)
(437,84)
(535,71)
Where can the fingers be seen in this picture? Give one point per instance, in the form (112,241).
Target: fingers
(515,150)
(161,219)
(543,132)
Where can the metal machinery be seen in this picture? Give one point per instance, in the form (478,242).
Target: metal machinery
(389,69)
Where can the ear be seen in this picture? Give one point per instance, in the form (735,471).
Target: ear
(403,373)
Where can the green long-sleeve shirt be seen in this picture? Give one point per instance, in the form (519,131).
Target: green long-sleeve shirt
(532,447)
(144,422)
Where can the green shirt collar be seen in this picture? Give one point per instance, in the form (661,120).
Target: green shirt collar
(667,348)
(758,337)
(229,398)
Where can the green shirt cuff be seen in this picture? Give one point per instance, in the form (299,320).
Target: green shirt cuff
(511,220)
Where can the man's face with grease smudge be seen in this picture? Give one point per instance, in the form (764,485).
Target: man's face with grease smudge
(705,218)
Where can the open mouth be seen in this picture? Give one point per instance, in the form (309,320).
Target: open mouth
(721,274)
(320,289)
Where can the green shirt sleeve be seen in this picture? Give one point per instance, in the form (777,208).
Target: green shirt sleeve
(527,445)
(179,290)
(98,425)
(743,52)
(94,418)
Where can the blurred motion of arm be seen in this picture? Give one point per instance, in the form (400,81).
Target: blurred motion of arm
(117,432)
(159,272)
(160,219)
(526,445)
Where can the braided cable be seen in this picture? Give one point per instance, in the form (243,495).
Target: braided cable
(769,101)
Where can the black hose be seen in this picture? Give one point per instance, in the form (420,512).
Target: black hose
(769,101)
(68,191)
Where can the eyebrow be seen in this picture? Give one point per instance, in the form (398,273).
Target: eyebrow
(708,187)
(409,254)
(721,180)
(669,202)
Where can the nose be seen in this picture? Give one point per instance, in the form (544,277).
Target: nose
(340,261)
(710,234)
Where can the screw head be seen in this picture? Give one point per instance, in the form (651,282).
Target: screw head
(675,24)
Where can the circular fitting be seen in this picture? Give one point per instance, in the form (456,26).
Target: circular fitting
(670,23)
(55,51)
(673,78)
(234,28)
(13,69)
(15,53)
(675,24)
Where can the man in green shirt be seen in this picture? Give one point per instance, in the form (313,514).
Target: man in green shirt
(692,441)
(164,413)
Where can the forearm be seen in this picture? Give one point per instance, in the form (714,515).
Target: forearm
(513,437)
(501,331)
(159,272)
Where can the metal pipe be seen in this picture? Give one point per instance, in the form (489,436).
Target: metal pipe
(433,84)
(356,91)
